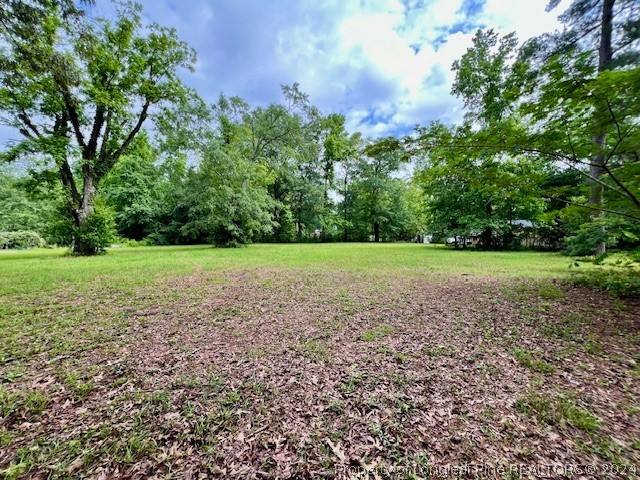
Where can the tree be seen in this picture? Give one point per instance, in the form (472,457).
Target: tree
(473,190)
(230,205)
(569,98)
(585,64)
(24,208)
(133,189)
(484,76)
(377,200)
(79,92)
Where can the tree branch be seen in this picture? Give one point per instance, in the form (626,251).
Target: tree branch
(594,179)
(66,174)
(590,207)
(72,113)
(30,127)
(105,138)
(627,192)
(98,121)
(134,132)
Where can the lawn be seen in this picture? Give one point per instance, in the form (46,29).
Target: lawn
(306,361)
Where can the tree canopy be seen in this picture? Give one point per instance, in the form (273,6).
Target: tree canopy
(548,149)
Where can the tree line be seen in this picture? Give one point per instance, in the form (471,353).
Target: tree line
(114,143)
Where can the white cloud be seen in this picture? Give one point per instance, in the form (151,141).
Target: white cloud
(357,57)
(370,46)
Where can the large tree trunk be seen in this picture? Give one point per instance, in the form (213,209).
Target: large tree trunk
(605,54)
(83,212)
(376,232)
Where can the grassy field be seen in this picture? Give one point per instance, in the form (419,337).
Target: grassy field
(38,269)
(299,361)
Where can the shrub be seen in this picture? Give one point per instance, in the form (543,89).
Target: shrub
(618,274)
(98,232)
(618,282)
(21,239)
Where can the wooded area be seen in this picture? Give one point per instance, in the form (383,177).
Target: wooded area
(114,145)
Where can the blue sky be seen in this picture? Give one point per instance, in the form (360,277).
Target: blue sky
(386,65)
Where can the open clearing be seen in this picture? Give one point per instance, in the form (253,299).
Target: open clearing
(301,361)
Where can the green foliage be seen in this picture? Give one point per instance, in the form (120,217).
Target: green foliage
(133,190)
(529,360)
(557,411)
(29,203)
(617,274)
(231,206)
(97,233)
(483,78)
(80,92)
(475,192)
(21,239)
(377,201)
(615,231)
(376,333)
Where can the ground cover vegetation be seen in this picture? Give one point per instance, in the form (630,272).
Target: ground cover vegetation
(302,361)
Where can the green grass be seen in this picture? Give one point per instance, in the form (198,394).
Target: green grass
(557,410)
(375,333)
(316,350)
(530,360)
(141,319)
(36,270)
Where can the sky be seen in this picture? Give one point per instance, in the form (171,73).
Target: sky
(384,64)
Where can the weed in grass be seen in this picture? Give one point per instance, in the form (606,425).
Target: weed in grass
(79,389)
(632,409)
(550,291)
(258,352)
(233,398)
(535,404)
(35,402)
(335,406)
(487,432)
(316,350)
(215,382)
(376,333)
(528,360)
(397,402)
(578,417)
(5,438)
(488,412)
(354,380)
(568,328)
(137,446)
(399,357)
(160,399)
(604,447)
(557,410)
(15,470)
(189,410)
(524,452)
(14,373)
(593,345)
(438,351)
(545,306)
(401,379)
(9,403)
